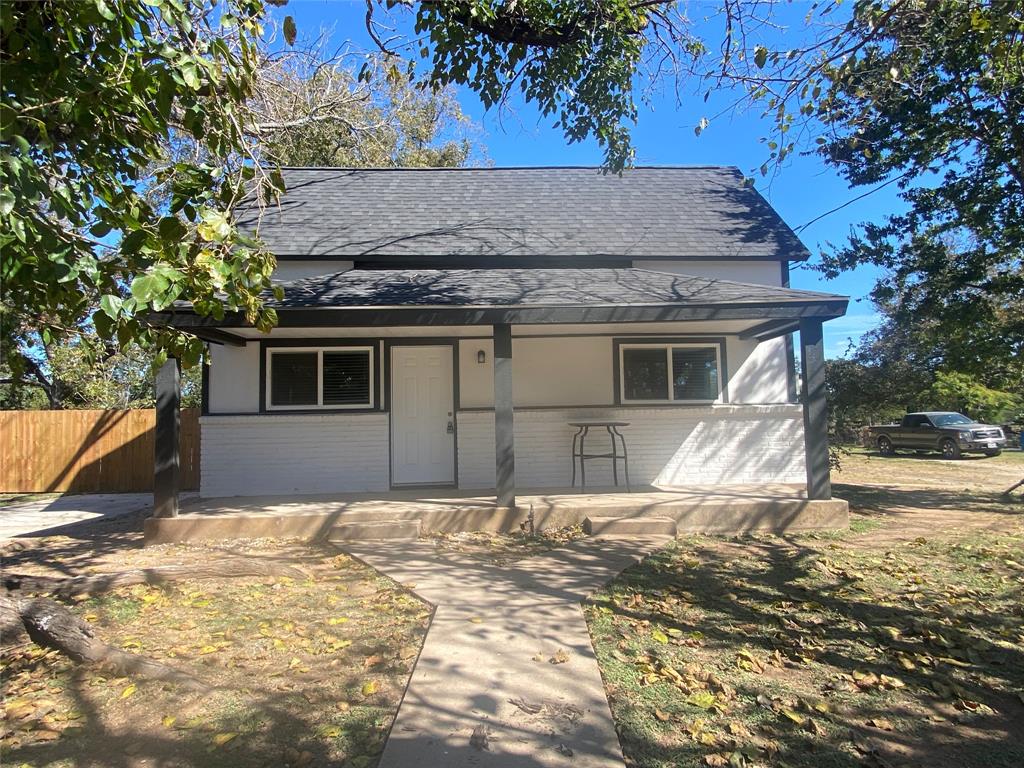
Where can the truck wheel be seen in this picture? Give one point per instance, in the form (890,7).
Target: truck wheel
(996,452)
(885,446)
(950,450)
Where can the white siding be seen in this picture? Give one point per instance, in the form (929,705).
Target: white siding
(757,272)
(296,270)
(667,446)
(578,371)
(234,378)
(558,371)
(300,454)
(757,372)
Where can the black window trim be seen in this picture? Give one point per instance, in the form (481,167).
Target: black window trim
(369,345)
(717,342)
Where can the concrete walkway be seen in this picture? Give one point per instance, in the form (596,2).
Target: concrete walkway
(507,677)
(31,517)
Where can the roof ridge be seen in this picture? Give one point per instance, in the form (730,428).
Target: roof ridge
(671,167)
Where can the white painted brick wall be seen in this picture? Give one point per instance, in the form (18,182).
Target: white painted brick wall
(283,454)
(667,446)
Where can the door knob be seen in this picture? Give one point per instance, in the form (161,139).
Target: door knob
(451,428)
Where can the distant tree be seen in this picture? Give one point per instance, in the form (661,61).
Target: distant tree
(905,365)
(82,373)
(860,394)
(961,392)
(316,108)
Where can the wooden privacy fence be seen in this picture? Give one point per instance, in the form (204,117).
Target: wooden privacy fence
(88,451)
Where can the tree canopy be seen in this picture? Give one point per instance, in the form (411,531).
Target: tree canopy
(934,103)
(131,129)
(304,104)
(93,94)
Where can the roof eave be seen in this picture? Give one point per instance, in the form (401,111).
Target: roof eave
(319,317)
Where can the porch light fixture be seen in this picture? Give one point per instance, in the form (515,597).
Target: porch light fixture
(481,357)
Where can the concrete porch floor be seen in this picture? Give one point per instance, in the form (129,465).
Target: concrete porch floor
(696,509)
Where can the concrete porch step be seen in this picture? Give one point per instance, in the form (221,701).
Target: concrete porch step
(368,530)
(595,525)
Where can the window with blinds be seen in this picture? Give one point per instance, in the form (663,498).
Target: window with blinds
(293,379)
(329,378)
(685,373)
(694,373)
(346,378)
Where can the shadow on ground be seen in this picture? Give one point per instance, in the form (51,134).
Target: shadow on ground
(952,640)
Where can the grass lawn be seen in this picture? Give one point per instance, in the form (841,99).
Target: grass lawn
(301,671)
(899,642)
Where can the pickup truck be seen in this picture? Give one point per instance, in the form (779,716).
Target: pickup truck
(953,434)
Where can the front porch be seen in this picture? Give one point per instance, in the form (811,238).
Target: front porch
(698,509)
(420,365)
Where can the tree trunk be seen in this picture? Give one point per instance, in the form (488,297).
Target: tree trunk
(51,625)
(12,630)
(105,582)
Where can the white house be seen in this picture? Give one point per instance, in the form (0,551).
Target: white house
(444,327)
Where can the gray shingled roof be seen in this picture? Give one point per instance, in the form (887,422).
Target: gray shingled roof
(695,212)
(528,287)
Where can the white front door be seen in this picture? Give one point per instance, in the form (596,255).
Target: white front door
(422,418)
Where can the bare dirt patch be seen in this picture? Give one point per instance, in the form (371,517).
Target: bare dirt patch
(903,497)
(300,671)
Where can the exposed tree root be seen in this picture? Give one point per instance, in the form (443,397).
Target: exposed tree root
(51,625)
(104,582)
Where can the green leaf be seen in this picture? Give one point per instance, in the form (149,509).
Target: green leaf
(6,201)
(171,229)
(111,305)
(133,241)
(214,226)
(147,288)
(760,56)
(190,74)
(104,10)
(288,27)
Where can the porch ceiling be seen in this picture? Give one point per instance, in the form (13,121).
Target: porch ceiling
(375,298)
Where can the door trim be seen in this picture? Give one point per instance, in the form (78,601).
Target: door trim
(418,341)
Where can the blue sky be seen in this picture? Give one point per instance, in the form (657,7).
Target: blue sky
(801,191)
